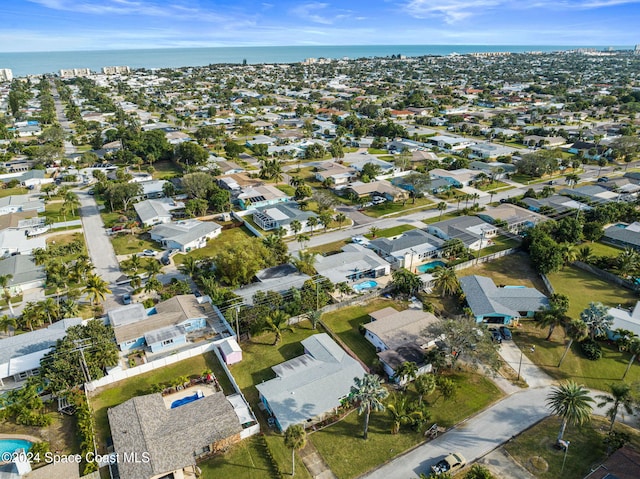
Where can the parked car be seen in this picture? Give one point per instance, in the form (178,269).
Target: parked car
(603,179)
(506,333)
(450,464)
(117,228)
(148,252)
(496,336)
(91,192)
(126,298)
(165,260)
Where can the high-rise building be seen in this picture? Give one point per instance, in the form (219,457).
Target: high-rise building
(75,72)
(6,74)
(115,70)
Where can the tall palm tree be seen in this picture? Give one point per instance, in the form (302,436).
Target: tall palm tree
(633,346)
(295,226)
(69,308)
(424,384)
(276,323)
(556,314)
(305,261)
(325,219)
(31,316)
(295,437)
(8,324)
(597,318)
(572,403)
(621,395)
(340,218)
(568,253)
(6,293)
(575,330)
(71,202)
(312,222)
(446,281)
(96,288)
(135,263)
(152,267)
(442,206)
(368,393)
(303,240)
(49,309)
(189,267)
(406,372)
(152,284)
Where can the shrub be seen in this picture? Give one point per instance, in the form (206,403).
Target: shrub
(591,349)
(478,472)
(39,449)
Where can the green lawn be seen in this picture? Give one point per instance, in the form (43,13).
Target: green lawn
(491,186)
(348,455)
(389,232)
(582,288)
(446,216)
(377,151)
(126,243)
(13,191)
(165,169)
(121,391)
(585,452)
(110,218)
(514,270)
(334,247)
(214,246)
(52,211)
(345,321)
(394,207)
(594,374)
(499,244)
(287,189)
(602,249)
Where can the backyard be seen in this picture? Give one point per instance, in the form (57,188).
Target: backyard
(390,232)
(395,207)
(214,246)
(4,192)
(165,170)
(127,243)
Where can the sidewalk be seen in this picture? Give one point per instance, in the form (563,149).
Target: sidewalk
(314,462)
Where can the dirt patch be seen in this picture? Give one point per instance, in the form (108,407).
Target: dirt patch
(514,269)
(61,434)
(538,464)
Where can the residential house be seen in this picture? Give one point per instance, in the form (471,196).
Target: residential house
(153,212)
(236,182)
(500,305)
(457,178)
(353,263)
(490,150)
(622,464)
(20,355)
(16,203)
(14,241)
(163,327)
(167,442)
(471,230)
(544,141)
(451,143)
(281,216)
(434,186)
(25,273)
(28,178)
(261,140)
(592,193)
(339,174)
(385,167)
(517,219)
(494,169)
(185,235)
(408,249)
(625,235)
(153,188)
(557,203)
(228,167)
(279,278)
(376,188)
(398,338)
(310,386)
(262,195)
(626,319)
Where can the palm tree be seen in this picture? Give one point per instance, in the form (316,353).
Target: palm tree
(303,240)
(305,261)
(404,281)
(340,218)
(135,262)
(373,231)
(6,293)
(152,284)
(576,330)
(401,412)
(69,308)
(295,226)
(276,323)
(49,309)
(633,347)
(597,318)
(8,324)
(556,314)
(189,266)
(446,281)
(368,393)
(424,384)
(406,372)
(295,437)
(442,206)
(312,222)
(325,219)
(30,317)
(572,403)
(621,395)
(585,254)
(71,202)
(152,267)
(568,253)
(96,288)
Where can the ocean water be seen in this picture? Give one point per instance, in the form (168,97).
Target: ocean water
(35,63)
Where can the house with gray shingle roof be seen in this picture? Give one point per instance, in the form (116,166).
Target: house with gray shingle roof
(25,273)
(500,305)
(471,230)
(308,387)
(20,355)
(185,235)
(15,203)
(353,263)
(169,442)
(416,244)
(156,211)
(281,216)
(627,236)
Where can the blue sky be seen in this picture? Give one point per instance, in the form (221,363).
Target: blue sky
(52,25)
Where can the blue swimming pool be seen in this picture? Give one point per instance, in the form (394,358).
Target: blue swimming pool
(11,445)
(365,285)
(186,400)
(425,268)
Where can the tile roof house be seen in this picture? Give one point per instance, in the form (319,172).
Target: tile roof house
(417,244)
(308,387)
(185,235)
(162,327)
(398,338)
(622,464)
(153,212)
(340,174)
(168,442)
(20,355)
(627,236)
(492,304)
(471,230)
(354,262)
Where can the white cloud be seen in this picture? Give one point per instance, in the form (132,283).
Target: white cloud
(451,10)
(317,12)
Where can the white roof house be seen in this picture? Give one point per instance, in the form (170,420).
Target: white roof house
(353,263)
(14,241)
(625,319)
(309,386)
(15,203)
(185,235)
(153,212)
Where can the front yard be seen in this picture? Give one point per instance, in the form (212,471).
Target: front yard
(214,246)
(127,243)
(396,207)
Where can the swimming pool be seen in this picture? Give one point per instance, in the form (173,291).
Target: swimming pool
(186,400)
(365,285)
(12,445)
(425,268)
